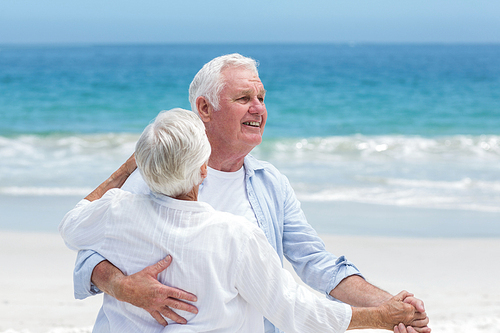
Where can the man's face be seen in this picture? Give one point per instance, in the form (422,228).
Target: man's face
(239,123)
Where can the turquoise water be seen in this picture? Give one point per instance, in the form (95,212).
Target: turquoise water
(314,90)
(414,126)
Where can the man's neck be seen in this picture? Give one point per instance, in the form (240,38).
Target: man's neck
(227,164)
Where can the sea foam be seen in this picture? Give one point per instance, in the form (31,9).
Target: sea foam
(451,172)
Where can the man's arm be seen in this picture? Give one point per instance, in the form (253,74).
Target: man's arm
(356,291)
(306,251)
(141,289)
(342,279)
(262,281)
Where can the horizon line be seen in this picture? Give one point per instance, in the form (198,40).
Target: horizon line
(340,43)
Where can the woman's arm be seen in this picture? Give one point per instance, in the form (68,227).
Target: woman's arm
(116,180)
(141,289)
(268,287)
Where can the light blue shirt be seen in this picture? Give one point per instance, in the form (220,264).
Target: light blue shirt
(279,215)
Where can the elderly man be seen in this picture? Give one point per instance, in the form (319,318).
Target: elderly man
(229,97)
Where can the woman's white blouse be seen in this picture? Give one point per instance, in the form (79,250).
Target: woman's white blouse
(223,259)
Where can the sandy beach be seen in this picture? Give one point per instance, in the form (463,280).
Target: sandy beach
(457,279)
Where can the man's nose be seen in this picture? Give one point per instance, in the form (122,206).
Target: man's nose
(257,106)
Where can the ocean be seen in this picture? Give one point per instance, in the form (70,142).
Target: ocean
(410,128)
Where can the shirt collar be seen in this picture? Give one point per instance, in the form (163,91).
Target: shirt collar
(252,165)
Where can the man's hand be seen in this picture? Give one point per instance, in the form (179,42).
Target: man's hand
(417,304)
(387,315)
(396,311)
(143,290)
(419,326)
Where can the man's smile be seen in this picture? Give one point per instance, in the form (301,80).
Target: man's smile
(252,123)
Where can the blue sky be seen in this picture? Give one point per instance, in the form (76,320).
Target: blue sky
(216,21)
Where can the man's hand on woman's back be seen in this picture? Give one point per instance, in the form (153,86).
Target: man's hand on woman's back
(143,290)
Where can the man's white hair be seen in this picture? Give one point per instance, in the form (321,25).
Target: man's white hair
(171,151)
(208,82)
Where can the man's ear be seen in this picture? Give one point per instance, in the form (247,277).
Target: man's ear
(204,109)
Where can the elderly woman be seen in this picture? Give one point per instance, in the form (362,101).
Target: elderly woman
(222,258)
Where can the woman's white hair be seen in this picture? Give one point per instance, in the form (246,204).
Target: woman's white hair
(209,82)
(171,151)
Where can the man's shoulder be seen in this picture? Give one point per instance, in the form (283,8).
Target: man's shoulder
(256,165)
(266,177)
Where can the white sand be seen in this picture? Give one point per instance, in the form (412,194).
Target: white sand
(457,279)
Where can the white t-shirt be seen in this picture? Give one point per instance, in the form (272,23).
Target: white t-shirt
(226,191)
